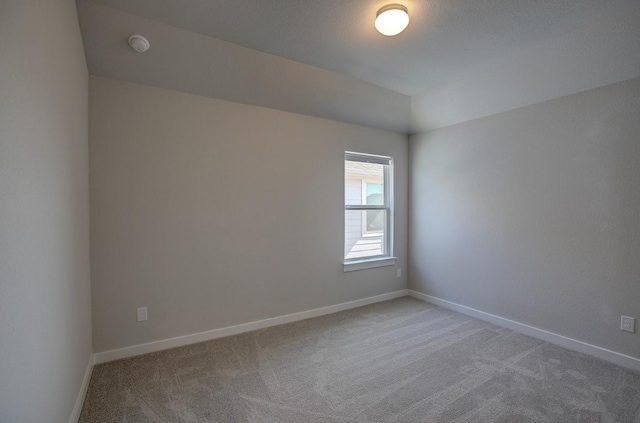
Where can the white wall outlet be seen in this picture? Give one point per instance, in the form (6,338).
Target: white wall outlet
(398,273)
(627,324)
(142,314)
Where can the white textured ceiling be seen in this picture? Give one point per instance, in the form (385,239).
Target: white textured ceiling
(447,41)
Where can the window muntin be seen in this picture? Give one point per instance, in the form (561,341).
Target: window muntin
(368,211)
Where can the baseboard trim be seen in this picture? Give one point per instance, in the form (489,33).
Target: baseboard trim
(82,393)
(620,359)
(106,356)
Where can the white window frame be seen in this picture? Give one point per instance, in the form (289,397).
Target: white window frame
(387,258)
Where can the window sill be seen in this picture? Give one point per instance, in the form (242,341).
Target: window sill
(369,264)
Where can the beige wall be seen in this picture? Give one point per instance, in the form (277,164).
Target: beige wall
(534,215)
(45,314)
(213,213)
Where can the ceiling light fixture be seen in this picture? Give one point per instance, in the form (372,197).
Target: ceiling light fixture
(139,43)
(392,19)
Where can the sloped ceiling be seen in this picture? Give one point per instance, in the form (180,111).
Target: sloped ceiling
(186,61)
(325,58)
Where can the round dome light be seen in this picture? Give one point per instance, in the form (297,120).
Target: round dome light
(392,19)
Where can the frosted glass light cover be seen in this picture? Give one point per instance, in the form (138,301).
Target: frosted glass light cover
(392,19)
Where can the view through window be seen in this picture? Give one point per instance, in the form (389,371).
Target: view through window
(367,192)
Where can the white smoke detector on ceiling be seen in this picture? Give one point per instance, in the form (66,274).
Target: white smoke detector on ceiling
(139,43)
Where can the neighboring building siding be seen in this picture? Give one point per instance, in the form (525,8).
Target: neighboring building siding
(353,190)
(353,219)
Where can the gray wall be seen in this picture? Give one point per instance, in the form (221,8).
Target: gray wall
(534,214)
(214,213)
(45,303)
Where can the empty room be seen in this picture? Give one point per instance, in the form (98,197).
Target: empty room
(292,211)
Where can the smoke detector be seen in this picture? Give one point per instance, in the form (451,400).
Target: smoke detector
(139,43)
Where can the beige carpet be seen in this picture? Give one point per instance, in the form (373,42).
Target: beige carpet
(397,361)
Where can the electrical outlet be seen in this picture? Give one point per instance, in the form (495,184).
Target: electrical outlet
(627,324)
(398,273)
(142,314)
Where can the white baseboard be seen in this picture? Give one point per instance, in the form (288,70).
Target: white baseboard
(103,357)
(82,393)
(623,360)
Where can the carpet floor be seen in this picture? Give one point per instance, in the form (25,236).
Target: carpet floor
(396,361)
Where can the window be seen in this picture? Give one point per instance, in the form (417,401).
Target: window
(368,211)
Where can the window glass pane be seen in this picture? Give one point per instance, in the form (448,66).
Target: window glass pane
(374,221)
(365,233)
(374,194)
(366,229)
(364,183)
